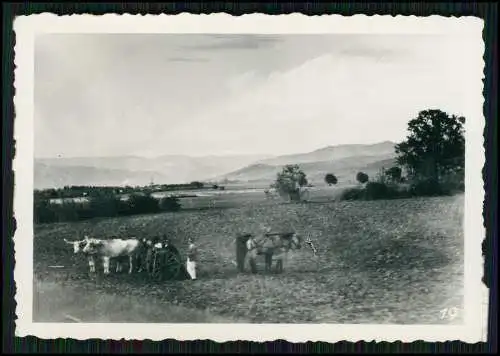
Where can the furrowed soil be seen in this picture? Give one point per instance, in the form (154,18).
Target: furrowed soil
(380,262)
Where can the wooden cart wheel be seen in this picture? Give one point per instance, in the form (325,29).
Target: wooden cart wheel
(156,266)
(158,270)
(172,267)
(166,265)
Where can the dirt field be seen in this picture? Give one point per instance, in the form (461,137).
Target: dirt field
(398,261)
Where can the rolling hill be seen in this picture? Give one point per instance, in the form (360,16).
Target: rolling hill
(132,170)
(334,153)
(343,160)
(345,169)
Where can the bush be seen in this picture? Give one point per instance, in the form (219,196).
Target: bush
(43,212)
(100,205)
(372,191)
(85,212)
(428,188)
(67,211)
(352,194)
(105,205)
(362,177)
(169,204)
(197,185)
(454,181)
(142,204)
(375,191)
(331,179)
(394,173)
(47,212)
(381,189)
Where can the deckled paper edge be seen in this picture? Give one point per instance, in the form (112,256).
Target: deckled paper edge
(26,27)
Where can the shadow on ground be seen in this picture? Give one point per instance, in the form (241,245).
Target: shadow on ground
(53,302)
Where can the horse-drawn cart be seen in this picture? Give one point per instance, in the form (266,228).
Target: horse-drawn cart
(268,245)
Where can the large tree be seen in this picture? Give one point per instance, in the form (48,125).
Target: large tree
(434,146)
(290,181)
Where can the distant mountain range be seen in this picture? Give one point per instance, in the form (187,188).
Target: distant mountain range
(133,170)
(343,160)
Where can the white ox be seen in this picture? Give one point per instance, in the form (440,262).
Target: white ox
(105,250)
(77,245)
(112,248)
(78,248)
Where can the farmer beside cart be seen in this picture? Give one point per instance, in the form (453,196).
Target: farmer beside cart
(192,258)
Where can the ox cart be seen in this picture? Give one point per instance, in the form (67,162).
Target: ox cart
(166,264)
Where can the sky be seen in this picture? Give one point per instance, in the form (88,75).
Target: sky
(208,94)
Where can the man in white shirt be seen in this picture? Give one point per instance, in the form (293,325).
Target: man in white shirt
(192,258)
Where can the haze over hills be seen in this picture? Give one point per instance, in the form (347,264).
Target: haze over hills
(333,153)
(134,170)
(344,169)
(342,160)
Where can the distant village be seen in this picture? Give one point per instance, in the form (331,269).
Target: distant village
(74,191)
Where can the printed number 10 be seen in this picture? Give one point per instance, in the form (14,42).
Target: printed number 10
(449,313)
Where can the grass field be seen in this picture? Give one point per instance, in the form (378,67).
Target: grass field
(234,198)
(394,261)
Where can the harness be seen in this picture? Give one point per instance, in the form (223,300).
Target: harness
(286,243)
(259,244)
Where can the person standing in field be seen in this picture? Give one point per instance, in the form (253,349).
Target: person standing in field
(254,248)
(192,258)
(250,243)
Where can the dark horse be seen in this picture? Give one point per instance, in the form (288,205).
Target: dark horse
(274,246)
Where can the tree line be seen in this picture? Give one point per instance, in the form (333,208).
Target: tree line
(432,157)
(76,191)
(102,201)
(103,204)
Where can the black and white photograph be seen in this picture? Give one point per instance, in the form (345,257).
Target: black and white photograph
(253,177)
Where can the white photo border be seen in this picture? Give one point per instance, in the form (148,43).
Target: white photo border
(28,27)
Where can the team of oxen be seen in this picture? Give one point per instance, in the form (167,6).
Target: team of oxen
(141,254)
